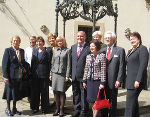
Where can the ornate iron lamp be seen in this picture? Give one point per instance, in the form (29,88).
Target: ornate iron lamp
(90,10)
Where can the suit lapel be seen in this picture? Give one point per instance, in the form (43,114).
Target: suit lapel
(43,55)
(84,48)
(13,53)
(36,54)
(22,55)
(75,52)
(131,52)
(113,52)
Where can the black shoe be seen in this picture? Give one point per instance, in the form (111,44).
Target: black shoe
(15,111)
(35,111)
(53,104)
(45,111)
(61,115)
(82,115)
(8,112)
(76,114)
(56,114)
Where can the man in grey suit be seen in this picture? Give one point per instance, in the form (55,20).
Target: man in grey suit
(79,53)
(115,71)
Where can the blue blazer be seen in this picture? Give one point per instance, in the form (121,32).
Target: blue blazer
(78,63)
(10,64)
(41,68)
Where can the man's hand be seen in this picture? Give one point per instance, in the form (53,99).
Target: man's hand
(136,84)
(84,85)
(117,84)
(6,80)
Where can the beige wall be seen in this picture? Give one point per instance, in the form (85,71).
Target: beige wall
(32,14)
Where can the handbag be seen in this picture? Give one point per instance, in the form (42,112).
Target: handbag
(101,103)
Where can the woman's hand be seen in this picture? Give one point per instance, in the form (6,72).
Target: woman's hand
(136,84)
(101,86)
(6,80)
(84,85)
(24,70)
(50,78)
(67,79)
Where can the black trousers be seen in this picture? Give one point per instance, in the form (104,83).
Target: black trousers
(79,98)
(40,87)
(112,96)
(132,105)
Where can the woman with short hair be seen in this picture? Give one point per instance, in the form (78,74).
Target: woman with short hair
(40,69)
(12,68)
(60,74)
(137,61)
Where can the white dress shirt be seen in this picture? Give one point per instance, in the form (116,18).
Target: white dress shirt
(28,54)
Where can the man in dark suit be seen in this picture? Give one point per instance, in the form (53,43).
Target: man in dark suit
(79,53)
(115,71)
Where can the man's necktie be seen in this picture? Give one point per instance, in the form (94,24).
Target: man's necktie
(108,53)
(79,50)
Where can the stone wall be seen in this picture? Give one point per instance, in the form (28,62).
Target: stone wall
(1,78)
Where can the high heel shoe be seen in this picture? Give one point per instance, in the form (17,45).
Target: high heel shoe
(35,111)
(61,115)
(56,113)
(15,111)
(8,112)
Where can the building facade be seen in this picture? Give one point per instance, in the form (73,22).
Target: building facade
(28,17)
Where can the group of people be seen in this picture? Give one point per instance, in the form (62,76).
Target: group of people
(91,67)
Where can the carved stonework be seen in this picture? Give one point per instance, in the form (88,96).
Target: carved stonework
(44,29)
(148,4)
(127,33)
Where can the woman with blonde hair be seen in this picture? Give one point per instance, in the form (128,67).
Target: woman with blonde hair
(52,40)
(97,35)
(60,73)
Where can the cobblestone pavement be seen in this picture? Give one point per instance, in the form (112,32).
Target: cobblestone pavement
(24,106)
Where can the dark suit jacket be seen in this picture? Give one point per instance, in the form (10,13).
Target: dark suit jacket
(78,63)
(115,66)
(10,64)
(137,62)
(41,68)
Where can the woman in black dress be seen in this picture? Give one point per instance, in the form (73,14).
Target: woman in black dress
(94,73)
(12,67)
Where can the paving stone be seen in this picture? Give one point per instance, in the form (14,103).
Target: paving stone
(24,106)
